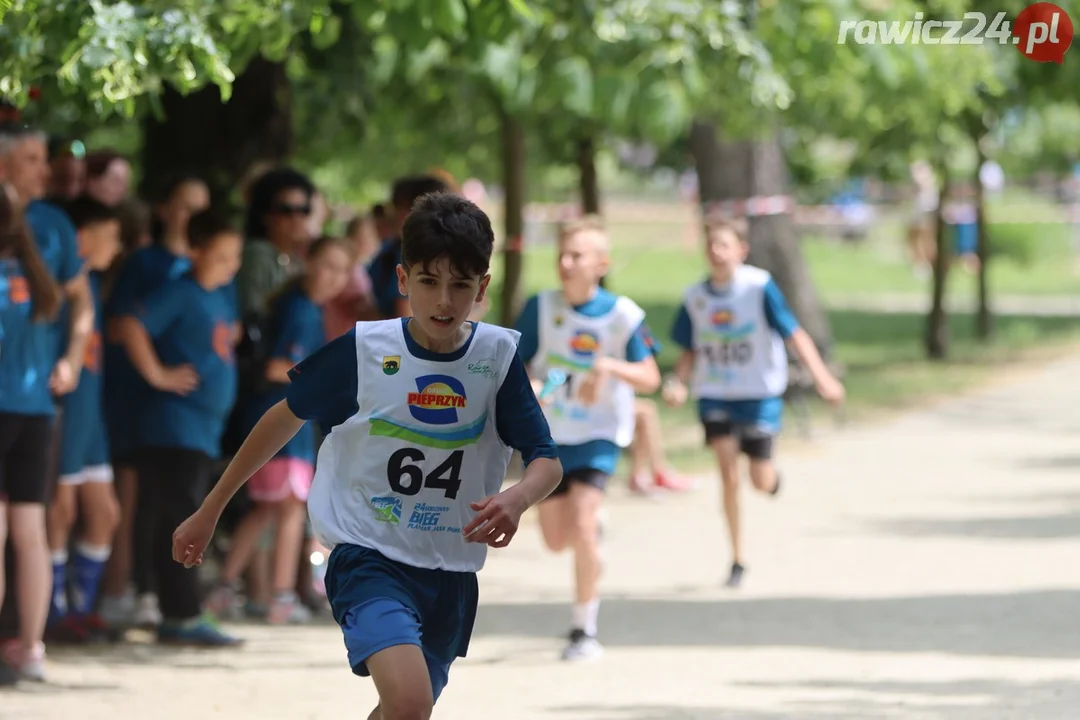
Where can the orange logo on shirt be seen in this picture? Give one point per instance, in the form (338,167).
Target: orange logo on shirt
(19,290)
(222,340)
(92,357)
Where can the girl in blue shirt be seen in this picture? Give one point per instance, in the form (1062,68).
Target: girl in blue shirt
(280,488)
(29,302)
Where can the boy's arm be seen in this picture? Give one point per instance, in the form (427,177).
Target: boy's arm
(265,440)
(324,388)
(528,324)
(682,334)
(639,369)
(160,309)
(521,425)
(783,321)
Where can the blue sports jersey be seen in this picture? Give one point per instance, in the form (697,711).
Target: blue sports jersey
(143,273)
(383,272)
(83,442)
(190,325)
(55,238)
(324,388)
(602,455)
(27,348)
(296,331)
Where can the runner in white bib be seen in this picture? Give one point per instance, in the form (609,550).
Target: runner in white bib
(732,328)
(588,352)
(423,414)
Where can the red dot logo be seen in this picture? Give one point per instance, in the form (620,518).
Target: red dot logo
(1043,32)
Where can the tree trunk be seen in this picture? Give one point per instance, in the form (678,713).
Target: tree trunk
(984,320)
(746,168)
(513,150)
(937,323)
(218,141)
(589,182)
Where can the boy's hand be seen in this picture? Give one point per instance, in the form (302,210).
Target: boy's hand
(674,392)
(180,379)
(497,518)
(64,377)
(589,388)
(831,391)
(192,537)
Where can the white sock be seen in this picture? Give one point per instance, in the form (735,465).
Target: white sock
(584,616)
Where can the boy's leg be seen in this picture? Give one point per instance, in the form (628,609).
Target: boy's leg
(400,673)
(62,512)
(101,515)
(762,424)
(720,436)
(555,517)
(176,480)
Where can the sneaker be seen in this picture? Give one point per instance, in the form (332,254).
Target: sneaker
(67,631)
(735,578)
(198,632)
(147,613)
(223,601)
(582,647)
(286,609)
(117,611)
(675,483)
(28,664)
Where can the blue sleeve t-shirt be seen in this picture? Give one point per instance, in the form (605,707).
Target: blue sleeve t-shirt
(190,325)
(324,389)
(27,347)
(55,238)
(602,455)
(297,331)
(383,273)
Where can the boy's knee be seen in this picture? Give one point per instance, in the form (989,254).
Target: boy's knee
(405,705)
(62,511)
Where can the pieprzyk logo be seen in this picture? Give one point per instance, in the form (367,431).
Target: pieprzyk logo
(584,344)
(437,399)
(1041,32)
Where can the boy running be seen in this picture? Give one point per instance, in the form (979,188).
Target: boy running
(421,415)
(732,329)
(598,345)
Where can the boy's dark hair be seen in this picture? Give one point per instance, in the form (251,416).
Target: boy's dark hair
(205,226)
(407,190)
(85,211)
(444,225)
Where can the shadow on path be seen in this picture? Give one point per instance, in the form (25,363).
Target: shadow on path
(1026,624)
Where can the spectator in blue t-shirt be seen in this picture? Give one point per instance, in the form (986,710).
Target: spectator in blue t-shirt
(280,488)
(181,339)
(50,373)
(29,302)
(383,267)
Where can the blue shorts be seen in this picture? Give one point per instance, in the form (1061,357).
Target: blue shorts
(380,603)
(742,416)
(84,443)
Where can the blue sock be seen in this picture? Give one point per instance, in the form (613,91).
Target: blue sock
(58,603)
(87,568)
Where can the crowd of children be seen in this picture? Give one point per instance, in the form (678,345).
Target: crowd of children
(220,341)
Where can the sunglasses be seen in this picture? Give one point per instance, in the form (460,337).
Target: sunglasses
(283,209)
